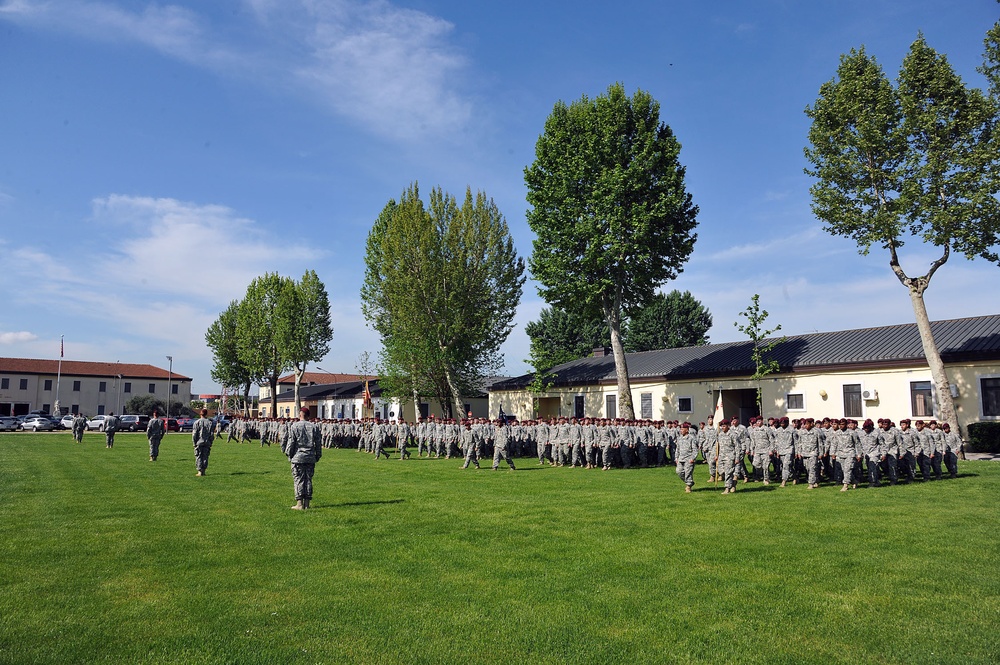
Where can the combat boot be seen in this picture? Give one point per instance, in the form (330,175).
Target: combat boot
(298,505)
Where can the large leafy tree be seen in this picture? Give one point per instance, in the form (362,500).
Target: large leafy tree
(258,325)
(559,336)
(612,216)
(916,161)
(228,368)
(303,325)
(442,284)
(668,321)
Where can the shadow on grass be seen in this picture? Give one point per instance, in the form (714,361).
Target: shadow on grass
(249,473)
(359,503)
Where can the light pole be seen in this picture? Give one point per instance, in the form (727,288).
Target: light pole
(170,376)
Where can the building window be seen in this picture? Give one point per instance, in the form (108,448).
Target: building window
(46,407)
(921,400)
(611,406)
(685,404)
(48,384)
(425,409)
(4,384)
(102,387)
(795,402)
(989,388)
(100,409)
(173,389)
(646,406)
(128,387)
(76,386)
(578,406)
(152,388)
(75,409)
(23,384)
(852,400)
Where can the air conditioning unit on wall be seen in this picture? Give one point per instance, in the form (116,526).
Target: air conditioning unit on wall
(869,394)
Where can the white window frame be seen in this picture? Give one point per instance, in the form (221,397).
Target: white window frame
(915,378)
(804,408)
(979,395)
(679,398)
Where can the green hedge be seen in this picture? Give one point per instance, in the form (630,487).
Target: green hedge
(984,437)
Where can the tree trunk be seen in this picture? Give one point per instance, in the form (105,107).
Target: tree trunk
(613,316)
(298,382)
(453,386)
(946,404)
(272,382)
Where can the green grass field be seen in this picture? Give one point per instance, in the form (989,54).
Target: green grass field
(106,557)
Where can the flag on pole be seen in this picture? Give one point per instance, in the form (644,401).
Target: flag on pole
(368,397)
(61,345)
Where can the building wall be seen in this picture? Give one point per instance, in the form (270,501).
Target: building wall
(89,399)
(822,395)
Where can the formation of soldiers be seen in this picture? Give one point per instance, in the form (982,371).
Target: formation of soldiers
(831,450)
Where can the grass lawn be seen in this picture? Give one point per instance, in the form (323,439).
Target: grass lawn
(107,557)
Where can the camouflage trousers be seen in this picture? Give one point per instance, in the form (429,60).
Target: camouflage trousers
(201,454)
(844,470)
(576,455)
(606,455)
(761,464)
(500,453)
(471,456)
(302,477)
(812,469)
(154,446)
(685,470)
(787,466)
(727,471)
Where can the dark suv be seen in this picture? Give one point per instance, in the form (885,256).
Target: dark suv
(133,423)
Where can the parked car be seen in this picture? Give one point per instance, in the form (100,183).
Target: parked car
(133,423)
(170,424)
(35,423)
(67,421)
(97,422)
(9,424)
(185,424)
(56,421)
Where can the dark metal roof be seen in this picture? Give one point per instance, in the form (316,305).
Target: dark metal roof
(958,340)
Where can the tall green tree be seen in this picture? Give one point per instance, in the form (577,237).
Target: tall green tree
(668,321)
(612,216)
(762,342)
(228,368)
(442,283)
(916,161)
(559,336)
(258,325)
(303,325)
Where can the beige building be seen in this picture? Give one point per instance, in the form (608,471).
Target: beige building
(870,373)
(92,388)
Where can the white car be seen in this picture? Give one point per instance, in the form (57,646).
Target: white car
(97,422)
(67,421)
(35,423)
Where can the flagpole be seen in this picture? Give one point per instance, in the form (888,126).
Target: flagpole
(58,409)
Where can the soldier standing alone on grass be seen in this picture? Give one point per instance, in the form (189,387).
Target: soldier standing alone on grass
(154,432)
(110,427)
(202,435)
(304,447)
(79,427)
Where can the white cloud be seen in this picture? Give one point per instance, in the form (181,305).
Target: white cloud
(17,337)
(389,69)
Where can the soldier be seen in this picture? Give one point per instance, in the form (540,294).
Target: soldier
(937,454)
(871,447)
(379,436)
(708,435)
(403,434)
(154,432)
(845,454)
(924,448)
(907,450)
(79,427)
(807,450)
(470,445)
(952,443)
(501,445)
(110,427)
(891,442)
(303,447)
(202,438)
(726,451)
(686,453)
(761,449)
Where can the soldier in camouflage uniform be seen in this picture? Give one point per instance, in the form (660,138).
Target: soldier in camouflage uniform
(807,450)
(502,437)
(110,427)
(303,446)
(470,445)
(727,449)
(686,454)
(845,454)
(403,434)
(952,446)
(202,436)
(761,449)
(154,433)
(707,436)
(79,427)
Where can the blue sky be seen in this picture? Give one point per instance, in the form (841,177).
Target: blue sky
(158,156)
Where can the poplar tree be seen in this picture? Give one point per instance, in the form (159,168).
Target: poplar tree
(915,161)
(609,208)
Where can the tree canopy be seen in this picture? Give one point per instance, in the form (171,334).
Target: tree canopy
(914,161)
(442,284)
(668,321)
(612,216)
(559,336)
